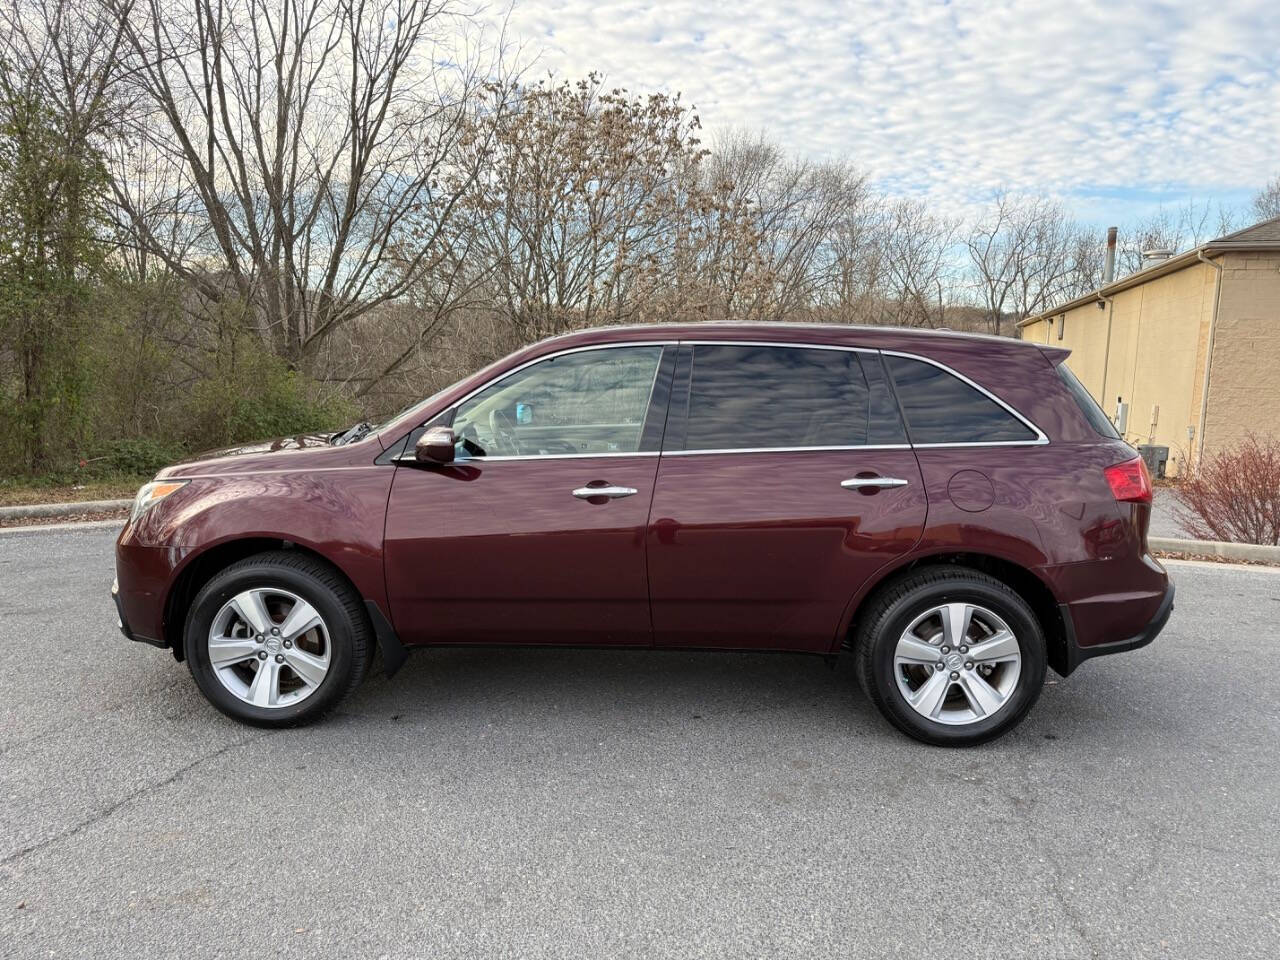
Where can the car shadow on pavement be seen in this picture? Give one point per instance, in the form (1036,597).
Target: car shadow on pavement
(592,681)
(607,688)
(582,689)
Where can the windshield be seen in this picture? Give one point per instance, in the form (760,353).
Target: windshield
(410,408)
(423,404)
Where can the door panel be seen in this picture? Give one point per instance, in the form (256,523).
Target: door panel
(764,550)
(537,533)
(501,551)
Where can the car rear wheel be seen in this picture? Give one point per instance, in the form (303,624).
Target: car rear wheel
(950,656)
(277,639)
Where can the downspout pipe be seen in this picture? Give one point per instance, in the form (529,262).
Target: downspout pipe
(1110,304)
(1208,355)
(1108,275)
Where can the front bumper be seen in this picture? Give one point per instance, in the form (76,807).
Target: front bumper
(1076,654)
(122,618)
(121,622)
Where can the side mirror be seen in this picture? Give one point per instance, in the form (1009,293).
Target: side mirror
(435,446)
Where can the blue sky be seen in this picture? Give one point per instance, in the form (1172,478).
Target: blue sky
(1114,107)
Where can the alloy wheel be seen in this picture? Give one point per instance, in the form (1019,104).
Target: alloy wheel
(270,648)
(957,663)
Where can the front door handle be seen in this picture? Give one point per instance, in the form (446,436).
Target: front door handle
(610,492)
(858,483)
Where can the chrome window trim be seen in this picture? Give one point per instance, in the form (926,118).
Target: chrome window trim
(863,446)
(407,456)
(459,461)
(775,343)
(790,449)
(793,346)
(548,356)
(1040,437)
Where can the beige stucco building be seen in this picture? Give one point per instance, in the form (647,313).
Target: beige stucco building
(1190,344)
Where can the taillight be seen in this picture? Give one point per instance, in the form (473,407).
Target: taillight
(1130,482)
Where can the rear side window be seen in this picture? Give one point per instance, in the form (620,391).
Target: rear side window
(749,397)
(942,408)
(1088,406)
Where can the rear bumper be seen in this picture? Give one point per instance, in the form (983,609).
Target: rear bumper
(1075,654)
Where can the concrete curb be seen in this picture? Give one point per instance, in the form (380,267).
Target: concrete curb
(115,524)
(1217,548)
(63,509)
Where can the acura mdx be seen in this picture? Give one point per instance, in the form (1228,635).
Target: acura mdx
(953,512)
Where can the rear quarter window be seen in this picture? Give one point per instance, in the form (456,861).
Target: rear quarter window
(942,408)
(1096,416)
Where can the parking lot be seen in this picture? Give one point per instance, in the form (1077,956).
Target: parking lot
(540,803)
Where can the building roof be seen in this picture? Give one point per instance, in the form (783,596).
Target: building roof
(1262,236)
(1268,231)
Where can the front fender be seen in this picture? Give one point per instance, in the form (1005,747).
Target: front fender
(336,513)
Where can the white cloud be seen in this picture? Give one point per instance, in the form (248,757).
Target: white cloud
(1116,106)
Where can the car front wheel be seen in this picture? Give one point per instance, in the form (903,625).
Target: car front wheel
(277,639)
(950,656)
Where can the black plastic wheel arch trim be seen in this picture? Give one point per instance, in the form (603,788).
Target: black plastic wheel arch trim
(393,652)
(127,630)
(1076,654)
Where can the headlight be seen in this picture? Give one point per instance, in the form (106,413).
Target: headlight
(153,492)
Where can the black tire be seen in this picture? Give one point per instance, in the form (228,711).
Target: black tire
(347,623)
(891,611)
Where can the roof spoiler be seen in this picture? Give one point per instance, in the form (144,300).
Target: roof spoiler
(1055,355)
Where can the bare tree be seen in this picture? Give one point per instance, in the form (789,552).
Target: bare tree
(770,224)
(1266,202)
(856,267)
(1022,256)
(318,138)
(579,202)
(1183,228)
(918,274)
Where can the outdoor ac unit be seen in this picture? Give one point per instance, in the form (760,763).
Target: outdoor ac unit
(1156,458)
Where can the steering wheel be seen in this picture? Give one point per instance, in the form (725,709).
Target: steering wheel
(505,435)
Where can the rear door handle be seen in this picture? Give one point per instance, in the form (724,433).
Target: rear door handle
(857,483)
(612,492)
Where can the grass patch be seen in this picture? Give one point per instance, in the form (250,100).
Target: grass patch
(20,492)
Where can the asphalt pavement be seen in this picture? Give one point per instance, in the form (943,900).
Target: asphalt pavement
(1164,518)
(558,803)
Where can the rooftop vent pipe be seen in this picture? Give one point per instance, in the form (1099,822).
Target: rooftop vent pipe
(1109,265)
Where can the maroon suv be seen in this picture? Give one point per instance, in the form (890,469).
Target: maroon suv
(953,510)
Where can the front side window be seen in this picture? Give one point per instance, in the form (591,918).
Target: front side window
(744,397)
(942,408)
(589,402)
